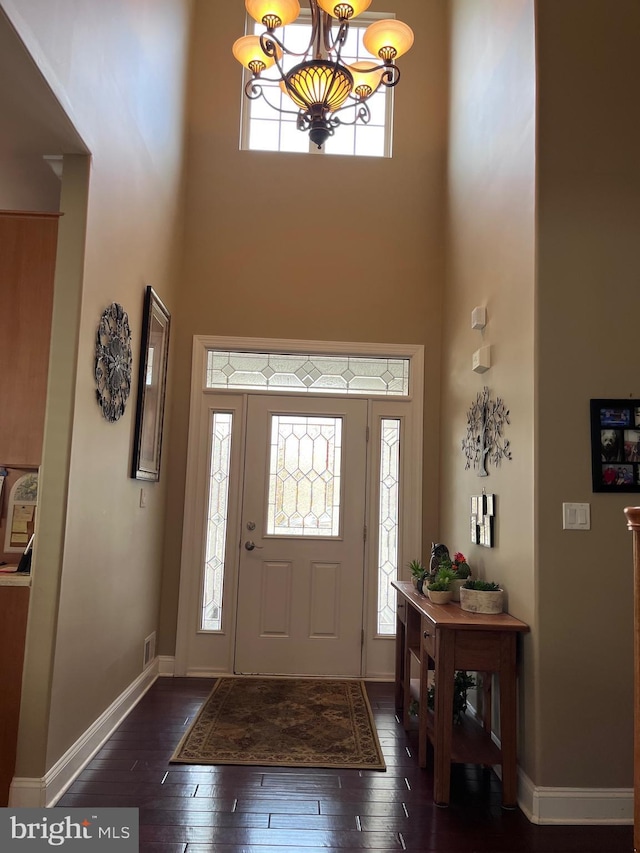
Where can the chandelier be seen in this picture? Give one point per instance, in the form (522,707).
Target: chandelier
(321,85)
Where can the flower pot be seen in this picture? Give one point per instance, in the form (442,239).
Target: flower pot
(455,585)
(481,601)
(439,597)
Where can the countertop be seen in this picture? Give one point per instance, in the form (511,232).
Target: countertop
(14,579)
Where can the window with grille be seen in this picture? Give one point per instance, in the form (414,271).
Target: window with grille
(388,524)
(308,373)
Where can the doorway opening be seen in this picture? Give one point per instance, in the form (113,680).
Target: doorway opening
(302,503)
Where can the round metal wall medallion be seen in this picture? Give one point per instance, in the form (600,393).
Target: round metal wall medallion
(113,362)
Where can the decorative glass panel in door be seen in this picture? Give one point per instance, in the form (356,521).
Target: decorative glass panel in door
(304,476)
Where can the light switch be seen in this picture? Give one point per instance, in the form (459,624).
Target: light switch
(576,516)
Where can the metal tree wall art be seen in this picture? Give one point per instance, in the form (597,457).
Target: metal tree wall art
(485,433)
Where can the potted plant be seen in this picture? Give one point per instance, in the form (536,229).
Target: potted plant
(462,573)
(462,683)
(481,597)
(418,573)
(439,589)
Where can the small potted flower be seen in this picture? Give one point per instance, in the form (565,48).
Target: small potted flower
(462,573)
(481,597)
(439,589)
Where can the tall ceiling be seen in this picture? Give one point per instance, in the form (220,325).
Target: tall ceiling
(32,122)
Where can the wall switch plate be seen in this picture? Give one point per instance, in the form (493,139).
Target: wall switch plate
(481,361)
(576,516)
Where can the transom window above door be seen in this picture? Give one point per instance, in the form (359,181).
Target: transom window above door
(306,372)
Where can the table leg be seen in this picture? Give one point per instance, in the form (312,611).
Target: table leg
(486,700)
(399,695)
(508,721)
(423,711)
(406,698)
(443,718)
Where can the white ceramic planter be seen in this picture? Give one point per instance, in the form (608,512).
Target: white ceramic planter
(481,601)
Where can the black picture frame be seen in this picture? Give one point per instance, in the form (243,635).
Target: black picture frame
(615,445)
(152,386)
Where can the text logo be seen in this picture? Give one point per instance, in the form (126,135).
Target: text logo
(69,829)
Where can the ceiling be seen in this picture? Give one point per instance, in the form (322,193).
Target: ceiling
(32,123)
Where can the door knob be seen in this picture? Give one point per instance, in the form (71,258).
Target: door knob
(249,545)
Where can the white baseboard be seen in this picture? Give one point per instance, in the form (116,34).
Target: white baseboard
(578,806)
(166,665)
(45,792)
(204,672)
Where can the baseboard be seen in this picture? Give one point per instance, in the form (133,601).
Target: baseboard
(566,806)
(45,792)
(205,672)
(580,806)
(166,665)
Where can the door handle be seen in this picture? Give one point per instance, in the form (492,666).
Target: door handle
(249,545)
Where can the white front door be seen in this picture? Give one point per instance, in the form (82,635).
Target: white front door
(301,569)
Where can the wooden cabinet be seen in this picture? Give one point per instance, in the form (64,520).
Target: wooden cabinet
(446,638)
(27,261)
(14,604)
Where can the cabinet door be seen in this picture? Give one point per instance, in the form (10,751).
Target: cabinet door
(14,604)
(27,261)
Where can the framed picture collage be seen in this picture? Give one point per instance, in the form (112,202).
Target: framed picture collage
(615,445)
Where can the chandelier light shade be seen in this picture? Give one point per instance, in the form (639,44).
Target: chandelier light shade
(344,11)
(248,51)
(273,13)
(388,39)
(321,85)
(367,77)
(318,84)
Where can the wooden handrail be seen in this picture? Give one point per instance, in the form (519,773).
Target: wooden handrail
(633,523)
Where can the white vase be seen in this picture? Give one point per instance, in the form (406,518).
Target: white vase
(481,600)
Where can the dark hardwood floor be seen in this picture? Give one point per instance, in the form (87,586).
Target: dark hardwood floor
(204,809)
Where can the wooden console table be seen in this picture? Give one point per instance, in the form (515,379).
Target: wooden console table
(447,638)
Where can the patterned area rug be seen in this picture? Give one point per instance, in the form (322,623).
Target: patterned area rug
(284,722)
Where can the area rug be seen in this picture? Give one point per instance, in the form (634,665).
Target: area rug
(284,722)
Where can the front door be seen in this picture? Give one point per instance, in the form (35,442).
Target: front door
(301,571)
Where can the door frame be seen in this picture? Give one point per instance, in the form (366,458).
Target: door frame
(407,408)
